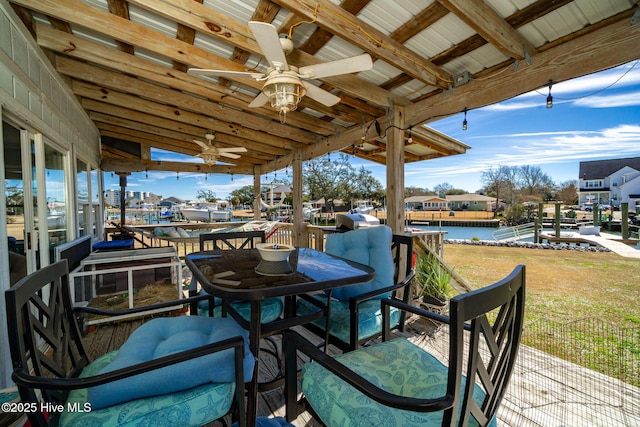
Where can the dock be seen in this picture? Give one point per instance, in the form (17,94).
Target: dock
(610,241)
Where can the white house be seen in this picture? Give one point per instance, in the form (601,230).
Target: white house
(610,182)
(426,203)
(471,202)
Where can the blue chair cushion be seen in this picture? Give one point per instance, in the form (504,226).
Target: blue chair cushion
(397,366)
(194,407)
(272,308)
(370,246)
(164,336)
(369,317)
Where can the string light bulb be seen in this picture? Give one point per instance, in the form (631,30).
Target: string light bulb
(464,122)
(410,139)
(549,97)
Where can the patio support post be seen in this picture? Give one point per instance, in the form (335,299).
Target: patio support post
(395,171)
(256,193)
(300,234)
(624,221)
(557,219)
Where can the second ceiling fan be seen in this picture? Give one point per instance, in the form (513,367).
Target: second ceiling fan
(284,85)
(210,153)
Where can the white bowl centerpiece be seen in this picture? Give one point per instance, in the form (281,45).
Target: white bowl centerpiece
(274,251)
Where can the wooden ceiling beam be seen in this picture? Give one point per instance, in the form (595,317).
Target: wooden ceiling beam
(517,20)
(491,26)
(127,164)
(117,82)
(368,38)
(265,11)
(606,47)
(143,138)
(320,36)
(238,34)
(107,112)
(181,143)
(187,35)
(140,138)
(97,93)
(429,16)
(121,8)
(75,47)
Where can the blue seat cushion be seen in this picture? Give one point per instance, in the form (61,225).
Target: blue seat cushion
(397,366)
(272,308)
(194,407)
(369,317)
(370,246)
(164,336)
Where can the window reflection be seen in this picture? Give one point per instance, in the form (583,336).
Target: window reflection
(84,208)
(57,220)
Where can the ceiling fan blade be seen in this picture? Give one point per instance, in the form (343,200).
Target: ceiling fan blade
(321,95)
(231,156)
(267,37)
(201,143)
(335,68)
(259,100)
(232,150)
(222,73)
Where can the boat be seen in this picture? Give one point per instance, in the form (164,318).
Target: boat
(308,210)
(589,230)
(205,212)
(362,207)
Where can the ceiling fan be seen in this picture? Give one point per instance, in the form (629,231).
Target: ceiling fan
(210,152)
(284,84)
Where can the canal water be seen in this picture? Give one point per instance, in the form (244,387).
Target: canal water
(462,233)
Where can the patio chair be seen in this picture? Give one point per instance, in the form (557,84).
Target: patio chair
(231,240)
(398,383)
(354,312)
(187,370)
(272,308)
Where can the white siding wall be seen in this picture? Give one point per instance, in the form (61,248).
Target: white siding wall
(31,91)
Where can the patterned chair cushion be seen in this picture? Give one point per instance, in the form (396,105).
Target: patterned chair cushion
(369,317)
(370,246)
(193,407)
(163,336)
(397,366)
(272,309)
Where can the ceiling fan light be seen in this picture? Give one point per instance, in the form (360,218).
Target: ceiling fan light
(209,159)
(284,93)
(284,97)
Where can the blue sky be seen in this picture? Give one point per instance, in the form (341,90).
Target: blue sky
(593,117)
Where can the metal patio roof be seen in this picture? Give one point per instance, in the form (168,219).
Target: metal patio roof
(126,62)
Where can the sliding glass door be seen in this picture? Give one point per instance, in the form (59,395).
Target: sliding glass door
(36,194)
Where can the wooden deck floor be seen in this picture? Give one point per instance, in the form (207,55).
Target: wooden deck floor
(544,391)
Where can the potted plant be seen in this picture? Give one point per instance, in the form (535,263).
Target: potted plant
(432,282)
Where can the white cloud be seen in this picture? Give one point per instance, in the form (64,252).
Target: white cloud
(583,90)
(543,148)
(631,99)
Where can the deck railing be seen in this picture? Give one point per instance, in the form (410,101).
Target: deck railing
(517,232)
(282,234)
(584,372)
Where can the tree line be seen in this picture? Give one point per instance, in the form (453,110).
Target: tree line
(335,178)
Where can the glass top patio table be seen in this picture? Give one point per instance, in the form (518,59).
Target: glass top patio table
(243,275)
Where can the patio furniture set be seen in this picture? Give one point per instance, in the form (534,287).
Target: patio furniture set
(194,369)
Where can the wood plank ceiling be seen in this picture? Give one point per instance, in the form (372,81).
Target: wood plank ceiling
(126,61)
